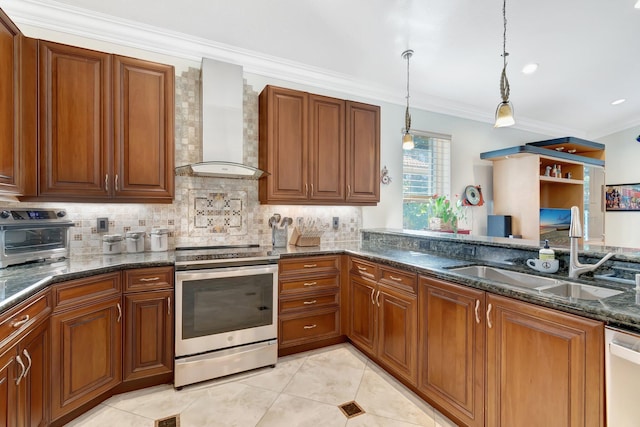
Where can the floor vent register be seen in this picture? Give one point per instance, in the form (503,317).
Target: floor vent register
(172,421)
(351,409)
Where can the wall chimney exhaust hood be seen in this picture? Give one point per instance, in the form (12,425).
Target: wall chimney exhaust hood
(222,124)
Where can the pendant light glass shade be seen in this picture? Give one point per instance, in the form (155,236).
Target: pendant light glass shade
(407,138)
(504,115)
(504,112)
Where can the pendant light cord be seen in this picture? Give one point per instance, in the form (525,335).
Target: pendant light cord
(504,83)
(407,117)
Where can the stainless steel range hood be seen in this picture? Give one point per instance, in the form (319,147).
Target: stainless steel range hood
(222,124)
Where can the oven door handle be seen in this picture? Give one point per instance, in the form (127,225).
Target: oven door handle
(624,353)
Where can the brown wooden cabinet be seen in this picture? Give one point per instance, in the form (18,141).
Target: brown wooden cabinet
(10,149)
(383,316)
(148,312)
(86,341)
(106,126)
(309,302)
(452,348)
(24,363)
(544,367)
(319,150)
(494,361)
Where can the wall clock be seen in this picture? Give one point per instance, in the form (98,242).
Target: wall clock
(472,196)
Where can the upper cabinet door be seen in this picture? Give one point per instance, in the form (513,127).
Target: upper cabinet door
(10,180)
(75,121)
(327,148)
(143,123)
(283,145)
(363,153)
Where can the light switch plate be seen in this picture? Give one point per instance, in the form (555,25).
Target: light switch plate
(102,225)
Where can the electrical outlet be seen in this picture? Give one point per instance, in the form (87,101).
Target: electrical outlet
(102,225)
(469,251)
(336,222)
(425,245)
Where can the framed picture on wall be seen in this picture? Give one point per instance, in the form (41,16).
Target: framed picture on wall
(623,197)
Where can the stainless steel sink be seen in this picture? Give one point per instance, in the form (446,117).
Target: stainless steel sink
(513,278)
(580,291)
(541,285)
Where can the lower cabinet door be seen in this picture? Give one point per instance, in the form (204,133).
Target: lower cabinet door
(33,390)
(544,367)
(397,332)
(8,374)
(362,309)
(148,345)
(86,354)
(452,348)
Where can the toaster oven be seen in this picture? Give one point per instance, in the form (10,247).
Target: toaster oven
(32,235)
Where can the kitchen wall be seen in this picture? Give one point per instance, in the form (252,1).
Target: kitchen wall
(622,167)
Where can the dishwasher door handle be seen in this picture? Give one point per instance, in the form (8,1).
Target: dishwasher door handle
(624,352)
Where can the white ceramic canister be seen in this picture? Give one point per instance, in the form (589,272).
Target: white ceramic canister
(135,241)
(111,244)
(159,239)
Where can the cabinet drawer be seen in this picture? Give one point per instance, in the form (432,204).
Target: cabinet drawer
(309,328)
(18,319)
(311,284)
(399,279)
(363,268)
(310,265)
(308,302)
(142,279)
(82,291)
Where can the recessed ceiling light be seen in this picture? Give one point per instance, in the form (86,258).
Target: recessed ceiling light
(531,68)
(638,4)
(618,101)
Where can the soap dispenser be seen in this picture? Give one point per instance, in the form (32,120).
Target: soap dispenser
(546,253)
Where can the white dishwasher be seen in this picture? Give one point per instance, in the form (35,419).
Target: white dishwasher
(622,373)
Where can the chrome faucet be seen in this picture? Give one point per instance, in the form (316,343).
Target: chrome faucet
(575,233)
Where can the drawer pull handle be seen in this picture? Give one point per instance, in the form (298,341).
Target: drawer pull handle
(488,316)
(310,302)
(310,326)
(116,182)
(26,354)
(378,299)
(373,291)
(396,279)
(169,306)
(119,312)
(21,322)
(361,268)
(2,380)
(477,316)
(310,284)
(22,370)
(310,265)
(106,183)
(149,279)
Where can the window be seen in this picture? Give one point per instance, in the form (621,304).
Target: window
(426,172)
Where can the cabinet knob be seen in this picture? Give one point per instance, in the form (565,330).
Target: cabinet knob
(61,214)
(5,214)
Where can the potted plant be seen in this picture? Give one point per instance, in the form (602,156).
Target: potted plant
(442,214)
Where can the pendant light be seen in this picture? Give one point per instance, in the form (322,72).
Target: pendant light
(407,138)
(504,112)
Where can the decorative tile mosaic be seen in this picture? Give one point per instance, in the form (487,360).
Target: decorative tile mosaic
(218,212)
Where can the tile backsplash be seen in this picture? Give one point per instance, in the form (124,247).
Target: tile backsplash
(205,211)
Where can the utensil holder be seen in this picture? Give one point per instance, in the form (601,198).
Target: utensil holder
(279,237)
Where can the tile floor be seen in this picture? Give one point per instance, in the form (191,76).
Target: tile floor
(302,390)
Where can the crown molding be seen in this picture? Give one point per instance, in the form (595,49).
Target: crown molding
(58,17)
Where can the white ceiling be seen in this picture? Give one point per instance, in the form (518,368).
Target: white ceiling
(587,50)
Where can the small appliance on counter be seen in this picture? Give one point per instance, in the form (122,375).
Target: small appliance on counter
(134,241)
(33,235)
(111,244)
(159,239)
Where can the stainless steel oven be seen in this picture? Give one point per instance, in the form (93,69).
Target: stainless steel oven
(33,235)
(226,312)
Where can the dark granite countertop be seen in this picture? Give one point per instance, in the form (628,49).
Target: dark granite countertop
(18,283)
(621,310)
